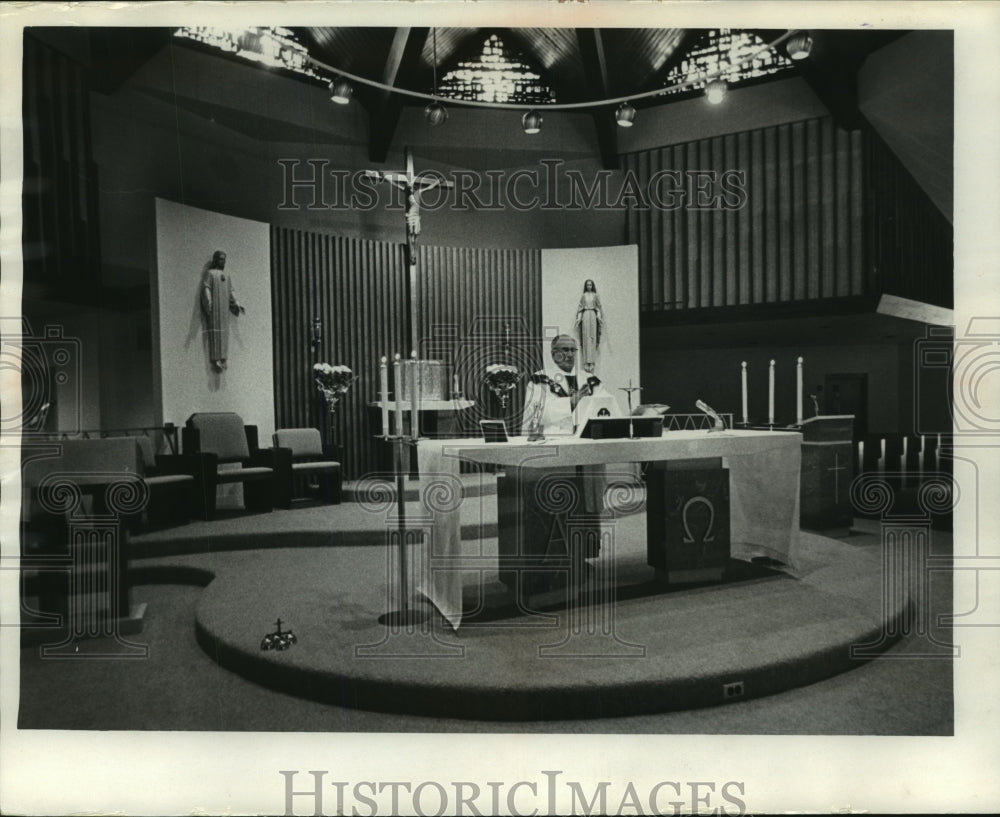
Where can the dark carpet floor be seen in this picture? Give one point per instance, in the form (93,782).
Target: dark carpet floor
(179,687)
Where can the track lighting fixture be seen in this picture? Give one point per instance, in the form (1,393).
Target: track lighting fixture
(625,115)
(799,45)
(340,91)
(531,122)
(715,91)
(436,113)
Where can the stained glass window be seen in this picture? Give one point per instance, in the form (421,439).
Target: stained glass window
(267,45)
(497,74)
(724,49)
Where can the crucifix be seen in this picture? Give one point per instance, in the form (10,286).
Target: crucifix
(836,478)
(412,184)
(628,390)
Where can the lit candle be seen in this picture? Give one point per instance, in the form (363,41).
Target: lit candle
(454,385)
(746,418)
(905,469)
(414,388)
(397,373)
(384,394)
(770,395)
(861,456)
(798,392)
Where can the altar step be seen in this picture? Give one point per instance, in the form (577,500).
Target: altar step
(472,485)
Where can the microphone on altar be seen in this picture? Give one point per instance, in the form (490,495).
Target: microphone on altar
(720,425)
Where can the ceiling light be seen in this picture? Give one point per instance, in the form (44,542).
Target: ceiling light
(625,115)
(340,91)
(531,122)
(436,113)
(799,45)
(715,91)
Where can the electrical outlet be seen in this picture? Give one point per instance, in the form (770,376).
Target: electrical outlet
(734,689)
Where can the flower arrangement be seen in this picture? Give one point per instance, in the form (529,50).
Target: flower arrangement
(332,382)
(502,379)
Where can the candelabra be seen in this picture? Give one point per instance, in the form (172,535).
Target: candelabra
(278,640)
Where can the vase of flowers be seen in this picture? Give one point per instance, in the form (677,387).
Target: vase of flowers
(332,382)
(502,379)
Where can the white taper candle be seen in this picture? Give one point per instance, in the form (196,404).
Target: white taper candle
(770,395)
(746,417)
(397,374)
(798,392)
(384,394)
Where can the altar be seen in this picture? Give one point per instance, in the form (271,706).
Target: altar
(764,469)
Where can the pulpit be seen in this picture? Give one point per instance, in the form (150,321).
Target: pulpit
(827,471)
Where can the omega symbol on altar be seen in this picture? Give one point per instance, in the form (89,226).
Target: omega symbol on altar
(698,500)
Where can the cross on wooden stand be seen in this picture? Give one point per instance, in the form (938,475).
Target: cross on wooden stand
(412,184)
(628,390)
(836,480)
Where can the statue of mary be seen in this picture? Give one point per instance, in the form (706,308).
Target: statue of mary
(589,322)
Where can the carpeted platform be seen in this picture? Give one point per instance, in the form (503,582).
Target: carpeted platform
(634,648)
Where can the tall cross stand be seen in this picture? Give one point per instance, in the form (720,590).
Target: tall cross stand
(412,184)
(405,616)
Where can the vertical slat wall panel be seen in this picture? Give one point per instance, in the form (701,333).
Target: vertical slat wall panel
(459,285)
(799,235)
(465,297)
(60,229)
(358,290)
(911,241)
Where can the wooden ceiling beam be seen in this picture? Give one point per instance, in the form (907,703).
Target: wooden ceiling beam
(595,68)
(117,53)
(831,71)
(384,106)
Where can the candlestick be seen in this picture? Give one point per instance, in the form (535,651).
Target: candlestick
(770,395)
(798,392)
(746,417)
(414,423)
(384,394)
(454,386)
(397,374)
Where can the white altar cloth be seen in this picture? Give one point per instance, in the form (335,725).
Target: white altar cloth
(764,470)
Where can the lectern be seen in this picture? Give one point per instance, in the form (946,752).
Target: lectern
(827,471)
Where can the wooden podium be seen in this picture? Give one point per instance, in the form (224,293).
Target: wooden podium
(827,472)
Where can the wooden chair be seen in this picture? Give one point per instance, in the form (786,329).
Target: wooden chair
(218,438)
(171,483)
(299,452)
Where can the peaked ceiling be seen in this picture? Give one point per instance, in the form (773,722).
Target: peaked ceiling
(579,65)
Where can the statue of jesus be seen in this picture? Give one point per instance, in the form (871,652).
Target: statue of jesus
(218,301)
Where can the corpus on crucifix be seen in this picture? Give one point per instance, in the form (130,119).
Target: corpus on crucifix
(412,184)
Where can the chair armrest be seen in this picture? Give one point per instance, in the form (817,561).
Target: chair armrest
(176,464)
(190,440)
(282,459)
(253,443)
(261,458)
